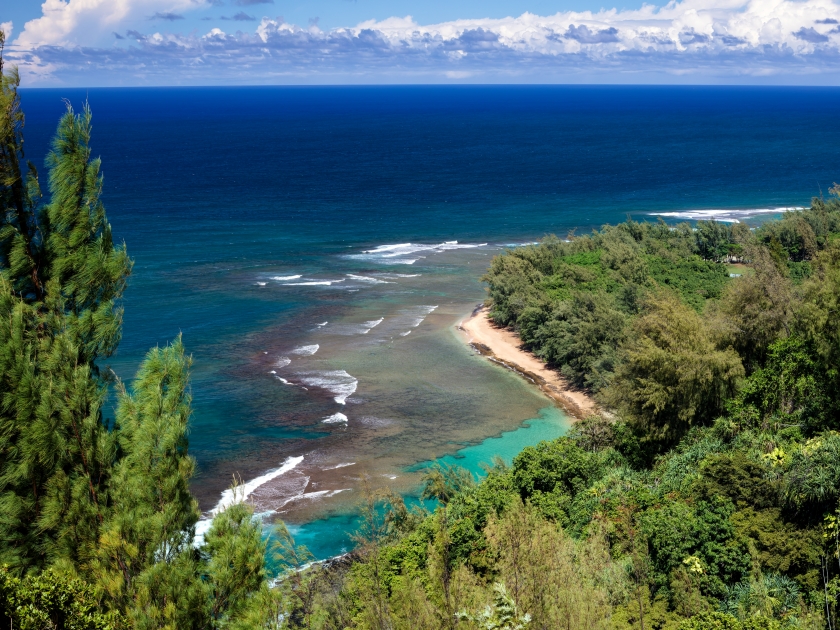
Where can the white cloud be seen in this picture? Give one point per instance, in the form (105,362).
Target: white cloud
(691,24)
(7,28)
(721,40)
(89,22)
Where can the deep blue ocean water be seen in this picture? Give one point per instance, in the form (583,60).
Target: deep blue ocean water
(218,192)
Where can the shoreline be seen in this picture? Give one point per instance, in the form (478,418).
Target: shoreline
(504,347)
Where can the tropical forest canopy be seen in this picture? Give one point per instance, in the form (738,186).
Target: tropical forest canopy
(704,497)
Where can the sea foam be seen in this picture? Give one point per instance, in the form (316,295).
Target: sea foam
(313,283)
(726,216)
(241,493)
(316,494)
(405,253)
(285,278)
(367,279)
(335,418)
(354,329)
(338,382)
(306,350)
(416,314)
(370,325)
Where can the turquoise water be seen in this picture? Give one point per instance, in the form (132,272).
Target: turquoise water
(263,223)
(332,536)
(550,424)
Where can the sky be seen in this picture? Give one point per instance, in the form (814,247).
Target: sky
(89,43)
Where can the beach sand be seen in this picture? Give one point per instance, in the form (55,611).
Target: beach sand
(504,347)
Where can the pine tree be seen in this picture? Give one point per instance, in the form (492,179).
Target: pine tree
(61,277)
(147,563)
(152,513)
(20,239)
(107,501)
(83,264)
(235,569)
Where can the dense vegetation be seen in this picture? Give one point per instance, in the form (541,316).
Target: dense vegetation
(705,498)
(645,316)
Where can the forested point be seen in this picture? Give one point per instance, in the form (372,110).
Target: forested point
(705,497)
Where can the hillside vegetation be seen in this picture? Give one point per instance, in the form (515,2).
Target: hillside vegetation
(708,495)
(707,498)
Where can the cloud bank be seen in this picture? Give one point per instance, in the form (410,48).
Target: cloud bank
(693,40)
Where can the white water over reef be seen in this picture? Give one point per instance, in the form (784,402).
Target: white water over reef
(240,493)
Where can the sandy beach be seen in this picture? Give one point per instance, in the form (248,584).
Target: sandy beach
(503,346)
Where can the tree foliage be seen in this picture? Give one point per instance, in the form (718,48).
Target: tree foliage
(673,376)
(52,601)
(97,523)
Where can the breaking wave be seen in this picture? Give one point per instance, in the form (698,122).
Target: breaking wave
(338,382)
(367,279)
(306,350)
(285,278)
(726,216)
(372,324)
(241,493)
(415,316)
(317,494)
(313,283)
(406,253)
(354,329)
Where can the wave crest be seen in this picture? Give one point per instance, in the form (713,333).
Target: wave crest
(338,382)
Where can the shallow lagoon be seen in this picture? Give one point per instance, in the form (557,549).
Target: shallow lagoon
(331,536)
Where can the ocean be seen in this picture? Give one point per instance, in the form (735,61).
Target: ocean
(317,246)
